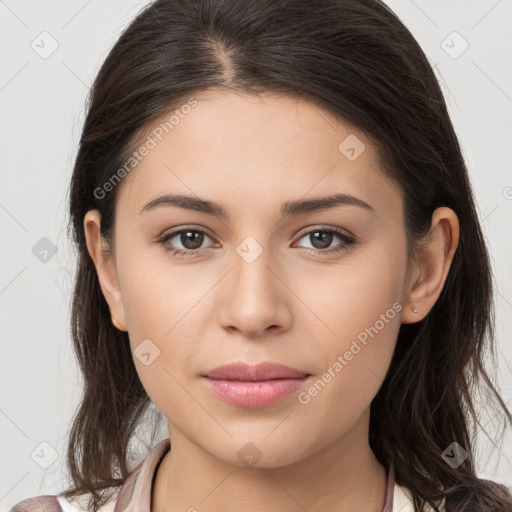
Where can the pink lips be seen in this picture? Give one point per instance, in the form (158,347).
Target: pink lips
(254,386)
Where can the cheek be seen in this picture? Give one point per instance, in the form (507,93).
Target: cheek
(364,291)
(165,318)
(355,363)
(359,314)
(159,296)
(164,343)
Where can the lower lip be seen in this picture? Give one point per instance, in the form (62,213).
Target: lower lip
(254,394)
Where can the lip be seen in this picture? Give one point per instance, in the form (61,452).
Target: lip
(254,386)
(258,372)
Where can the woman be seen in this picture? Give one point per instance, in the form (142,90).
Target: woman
(279,249)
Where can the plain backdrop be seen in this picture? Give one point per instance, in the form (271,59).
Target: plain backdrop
(51,52)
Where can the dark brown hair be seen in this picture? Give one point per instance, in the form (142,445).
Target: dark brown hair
(357,59)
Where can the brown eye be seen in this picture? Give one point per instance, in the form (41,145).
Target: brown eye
(191,239)
(321,240)
(184,241)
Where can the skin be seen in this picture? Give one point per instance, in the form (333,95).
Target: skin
(302,309)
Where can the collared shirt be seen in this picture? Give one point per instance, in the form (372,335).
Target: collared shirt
(135,494)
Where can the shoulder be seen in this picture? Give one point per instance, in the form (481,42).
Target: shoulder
(45,503)
(403,502)
(500,490)
(57,503)
(133,494)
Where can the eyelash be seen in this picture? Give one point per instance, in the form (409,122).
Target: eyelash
(347,241)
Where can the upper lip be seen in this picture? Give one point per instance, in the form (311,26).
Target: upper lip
(258,372)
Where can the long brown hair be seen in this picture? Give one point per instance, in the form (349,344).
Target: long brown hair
(357,59)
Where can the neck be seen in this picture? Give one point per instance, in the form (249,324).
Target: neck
(344,476)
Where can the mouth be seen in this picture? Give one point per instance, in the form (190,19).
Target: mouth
(254,386)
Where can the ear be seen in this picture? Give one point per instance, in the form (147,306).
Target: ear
(104,261)
(432,263)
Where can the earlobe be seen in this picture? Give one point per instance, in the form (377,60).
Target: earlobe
(433,262)
(105,267)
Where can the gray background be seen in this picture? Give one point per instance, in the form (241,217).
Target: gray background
(42,111)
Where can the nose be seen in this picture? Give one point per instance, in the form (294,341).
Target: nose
(254,296)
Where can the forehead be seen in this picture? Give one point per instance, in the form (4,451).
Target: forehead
(249,151)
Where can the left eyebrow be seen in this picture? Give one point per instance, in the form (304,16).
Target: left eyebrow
(322,203)
(288,208)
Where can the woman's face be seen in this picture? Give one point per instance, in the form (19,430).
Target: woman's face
(265,281)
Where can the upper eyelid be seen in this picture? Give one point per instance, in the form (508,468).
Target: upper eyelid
(174,232)
(336,230)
